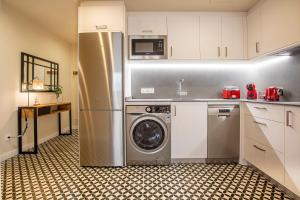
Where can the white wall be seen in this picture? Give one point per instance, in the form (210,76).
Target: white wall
(17,34)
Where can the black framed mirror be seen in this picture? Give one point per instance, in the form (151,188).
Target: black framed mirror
(38,74)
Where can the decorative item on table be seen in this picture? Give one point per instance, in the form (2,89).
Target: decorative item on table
(231,92)
(273,93)
(37,85)
(58,92)
(251,91)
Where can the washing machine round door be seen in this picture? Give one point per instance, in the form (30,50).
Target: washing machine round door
(149,134)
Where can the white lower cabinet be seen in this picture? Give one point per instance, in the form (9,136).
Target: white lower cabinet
(267,132)
(189,130)
(265,158)
(271,138)
(292,149)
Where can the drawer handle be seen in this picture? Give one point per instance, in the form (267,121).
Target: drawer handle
(257,47)
(260,108)
(260,123)
(288,118)
(227,116)
(259,148)
(101,27)
(175,111)
(147,31)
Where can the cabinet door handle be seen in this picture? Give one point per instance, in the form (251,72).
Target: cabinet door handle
(227,116)
(101,27)
(171,51)
(226,51)
(175,111)
(260,123)
(257,47)
(259,148)
(147,31)
(219,51)
(288,118)
(260,108)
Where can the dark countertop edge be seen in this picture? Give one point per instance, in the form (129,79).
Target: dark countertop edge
(288,103)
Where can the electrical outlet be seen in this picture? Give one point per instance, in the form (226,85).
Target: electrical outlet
(6,137)
(147,90)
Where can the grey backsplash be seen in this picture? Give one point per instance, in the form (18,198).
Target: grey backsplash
(206,82)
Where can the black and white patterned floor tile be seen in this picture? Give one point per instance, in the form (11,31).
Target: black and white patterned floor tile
(54,173)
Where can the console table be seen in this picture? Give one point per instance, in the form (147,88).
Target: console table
(36,111)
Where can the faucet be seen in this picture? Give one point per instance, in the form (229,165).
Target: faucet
(179,85)
(179,90)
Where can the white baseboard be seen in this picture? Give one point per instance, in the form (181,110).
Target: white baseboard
(74,126)
(14,152)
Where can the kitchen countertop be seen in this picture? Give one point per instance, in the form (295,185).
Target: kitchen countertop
(288,103)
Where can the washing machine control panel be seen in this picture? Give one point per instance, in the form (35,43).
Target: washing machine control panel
(158,109)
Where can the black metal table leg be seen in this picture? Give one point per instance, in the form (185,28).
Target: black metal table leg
(35,129)
(20,130)
(35,113)
(59,123)
(70,123)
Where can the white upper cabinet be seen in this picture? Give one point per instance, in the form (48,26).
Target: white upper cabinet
(222,35)
(292,149)
(210,36)
(147,24)
(232,36)
(273,25)
(201,35)
(280,23)
(101,16)
(254,32)
(183,36)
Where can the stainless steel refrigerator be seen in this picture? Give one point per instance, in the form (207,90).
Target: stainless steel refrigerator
(101,99)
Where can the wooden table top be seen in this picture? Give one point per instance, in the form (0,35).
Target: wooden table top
(46,105)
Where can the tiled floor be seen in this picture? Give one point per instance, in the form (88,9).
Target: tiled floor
(55,174)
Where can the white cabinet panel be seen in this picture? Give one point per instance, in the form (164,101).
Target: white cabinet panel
(280,23)
(266,159)
(101,18)
(254,32)
(222,35)
(232,36)
(189,130)
(147,24)
(183,36)
(210,36)
(265,111)
(267,132)
(292,149)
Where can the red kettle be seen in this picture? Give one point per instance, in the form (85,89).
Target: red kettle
(273,93)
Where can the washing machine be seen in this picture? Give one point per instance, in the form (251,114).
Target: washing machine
(148,134)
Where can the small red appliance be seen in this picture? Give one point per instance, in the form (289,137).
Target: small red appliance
(231,92)
(251,91)
(273,93)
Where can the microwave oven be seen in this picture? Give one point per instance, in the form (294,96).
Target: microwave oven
(147,47)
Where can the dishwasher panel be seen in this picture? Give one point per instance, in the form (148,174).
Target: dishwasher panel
(223,133)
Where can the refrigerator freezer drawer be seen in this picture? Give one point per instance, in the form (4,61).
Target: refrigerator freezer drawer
(101,138)
(100,70)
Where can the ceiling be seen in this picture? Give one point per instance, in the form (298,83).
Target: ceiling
(57,16)
(60,16)
(189,5)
